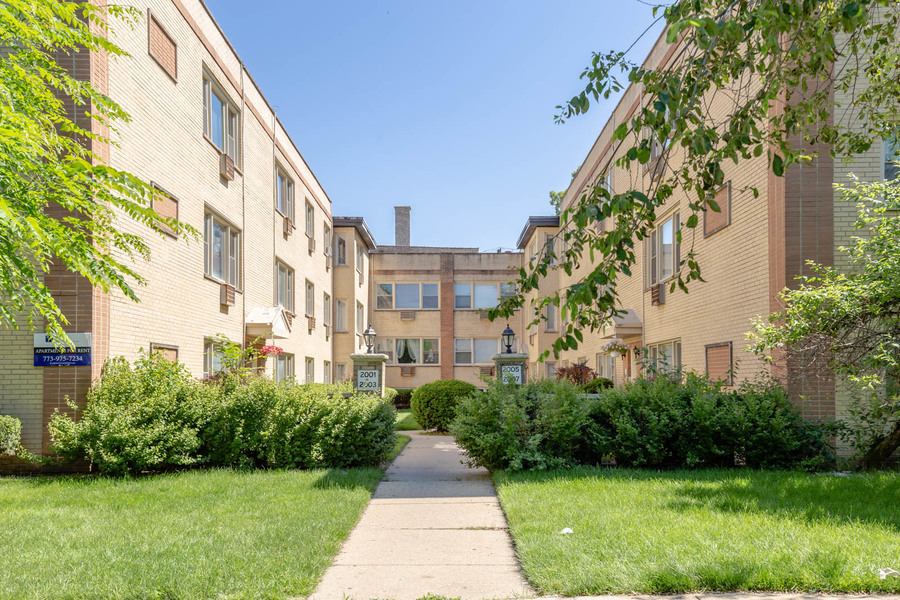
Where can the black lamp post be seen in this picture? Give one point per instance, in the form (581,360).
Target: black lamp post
(369,338)
(509,338)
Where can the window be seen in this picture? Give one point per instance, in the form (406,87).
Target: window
(550,311)
(360,318)
(385,346)
(310,370)
(220,119)
(462,295)
(212,358)
(665,357)
(170,353)
(429,295)
(408,351)
(507,290)
(310,299)
(165,205)
(360,254)
(550,370)
(326,307)
(284,194)
(718,363)
(340,372)
(485,295)
(606,366)
(340,316)
(162,47)
(222,257)
(714,221)
(549,248)
(341,251)
(284,367)
(384,296)
(326,371)
(285,287)
(663,251)
(431,352)
(326,237)
(891,155)
(469,351)
(310,220)
(406,296)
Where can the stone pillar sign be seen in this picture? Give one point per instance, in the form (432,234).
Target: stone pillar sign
(512,368)
(368,373)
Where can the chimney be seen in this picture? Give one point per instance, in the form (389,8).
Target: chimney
(401,226)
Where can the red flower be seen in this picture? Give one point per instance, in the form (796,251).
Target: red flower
(267,350)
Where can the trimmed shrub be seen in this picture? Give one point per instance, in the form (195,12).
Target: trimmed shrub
(155,416)
(434,404)
(146,418)
(534,426)
(576,374)
(390,394)
(666,422)
(595,386)
(10,435)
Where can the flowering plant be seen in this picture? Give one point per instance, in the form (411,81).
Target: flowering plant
(267,350)
(615,345)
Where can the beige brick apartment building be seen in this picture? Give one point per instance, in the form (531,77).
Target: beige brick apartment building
(271,261)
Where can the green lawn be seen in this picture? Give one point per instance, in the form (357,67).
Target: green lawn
(406,421)
(200,534)
(651,532)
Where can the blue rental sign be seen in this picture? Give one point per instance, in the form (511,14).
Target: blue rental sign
(48,354)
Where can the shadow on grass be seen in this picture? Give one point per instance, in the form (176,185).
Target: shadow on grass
(864,498)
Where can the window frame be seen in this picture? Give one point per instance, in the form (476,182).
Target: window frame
(340,316)
(285,367)
(550,321)
(233,259)
(310,370)
(340,258)
(230,116)
(310,299)
(211,350)
(653,354)
(284,192)
(653,251)
(386,295)
(310,220)
(281,266)
(326,308)
(360,318)
(473,351)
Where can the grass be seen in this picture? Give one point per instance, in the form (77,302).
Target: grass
(199,534)
(399,444)
(406,421)
(673,532)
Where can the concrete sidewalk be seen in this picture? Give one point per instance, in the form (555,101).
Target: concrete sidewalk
(433,526)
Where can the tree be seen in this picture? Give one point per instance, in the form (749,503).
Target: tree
(849,321)
(778,62)
(49,124)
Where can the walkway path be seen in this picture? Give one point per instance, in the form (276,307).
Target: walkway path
(433,526)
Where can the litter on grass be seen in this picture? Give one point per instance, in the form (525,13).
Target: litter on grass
(566,531)
(887,572)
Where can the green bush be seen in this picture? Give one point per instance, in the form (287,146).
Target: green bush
(145,418)
(10,435)
(434,404)
(155,416)
(595,386)
(666,422)
(534,426)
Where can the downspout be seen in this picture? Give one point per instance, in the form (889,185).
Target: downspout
(243,212)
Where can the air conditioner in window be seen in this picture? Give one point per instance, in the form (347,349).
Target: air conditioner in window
(407,371)
(287,226)
(311,322)
(226,167)
(486,371)
(483,315)
(327,330)
(327,262)
(226,294)
(658,294)
(407,315)
(312,245)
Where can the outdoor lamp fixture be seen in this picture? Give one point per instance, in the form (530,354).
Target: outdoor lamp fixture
(369,337)
(508,337)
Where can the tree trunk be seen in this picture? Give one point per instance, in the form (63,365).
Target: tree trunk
(882,451)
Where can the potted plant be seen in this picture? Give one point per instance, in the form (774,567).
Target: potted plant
(615,347)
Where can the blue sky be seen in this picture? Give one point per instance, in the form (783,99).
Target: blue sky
(443,106)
